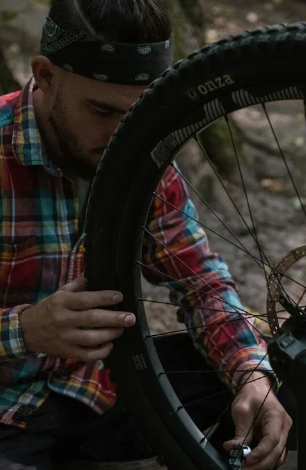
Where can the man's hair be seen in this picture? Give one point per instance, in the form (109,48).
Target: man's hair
(127,21)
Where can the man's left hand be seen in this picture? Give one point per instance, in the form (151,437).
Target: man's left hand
(271,427)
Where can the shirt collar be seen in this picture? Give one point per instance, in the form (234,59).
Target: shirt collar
(27,143)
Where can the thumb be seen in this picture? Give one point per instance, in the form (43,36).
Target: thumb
(244,434)
(78,285)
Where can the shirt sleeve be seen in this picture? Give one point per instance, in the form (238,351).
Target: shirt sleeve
(12,345)
(178,256)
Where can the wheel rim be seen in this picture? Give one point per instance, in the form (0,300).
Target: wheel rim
(138,340)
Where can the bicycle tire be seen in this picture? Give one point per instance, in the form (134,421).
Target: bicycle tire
(253,67)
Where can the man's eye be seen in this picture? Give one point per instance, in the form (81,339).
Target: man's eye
(102,112)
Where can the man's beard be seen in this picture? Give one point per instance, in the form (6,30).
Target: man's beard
(71,157)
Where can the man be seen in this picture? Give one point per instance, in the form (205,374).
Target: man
(56,396)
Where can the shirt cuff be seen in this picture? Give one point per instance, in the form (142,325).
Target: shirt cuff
(12,345)
(246,376)
(249,360)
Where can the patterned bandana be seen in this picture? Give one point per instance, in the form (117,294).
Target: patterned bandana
(127,64)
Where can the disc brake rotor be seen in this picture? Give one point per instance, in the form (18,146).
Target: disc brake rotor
(275,289)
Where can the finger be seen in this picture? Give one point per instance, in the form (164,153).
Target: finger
(99,318)
(91,355)
(88,300)
(228,445)
(259,459)
(244,426)
(274,460)
(282,458)
(90,319)
(94,338)
(78,285)
(275,430)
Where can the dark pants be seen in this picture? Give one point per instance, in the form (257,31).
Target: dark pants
(64,428)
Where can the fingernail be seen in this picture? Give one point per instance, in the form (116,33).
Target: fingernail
(129,320)
(117,298)
(254,460)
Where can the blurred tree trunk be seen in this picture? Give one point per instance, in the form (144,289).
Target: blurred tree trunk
(190,34)
(7,81)
(188,26)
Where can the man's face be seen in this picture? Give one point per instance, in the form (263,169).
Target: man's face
(83,116)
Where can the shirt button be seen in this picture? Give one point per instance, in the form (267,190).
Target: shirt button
(24,412)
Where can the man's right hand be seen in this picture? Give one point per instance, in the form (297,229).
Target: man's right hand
(72,323)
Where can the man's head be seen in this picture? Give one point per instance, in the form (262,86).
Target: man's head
(76,114)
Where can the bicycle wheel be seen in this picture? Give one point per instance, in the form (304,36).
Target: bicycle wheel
(233,76)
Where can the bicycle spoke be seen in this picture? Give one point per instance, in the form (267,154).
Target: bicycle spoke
(262,264)
(276,465)
(212,395)
(258,412)
(256,416)
(284,159)
(219,298)
(214,213)
(202,372)
(181,330)
(203,327)
(260,315)
(258,261)
(242,247)
(202,292)
(262,255)
(247,381)
(226,190)
(262,244)
(254,233)
(301,297)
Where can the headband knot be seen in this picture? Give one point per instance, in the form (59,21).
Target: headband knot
(127,64)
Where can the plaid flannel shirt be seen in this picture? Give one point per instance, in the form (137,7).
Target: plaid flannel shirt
(41,249)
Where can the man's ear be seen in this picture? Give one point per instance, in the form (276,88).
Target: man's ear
(44,73)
